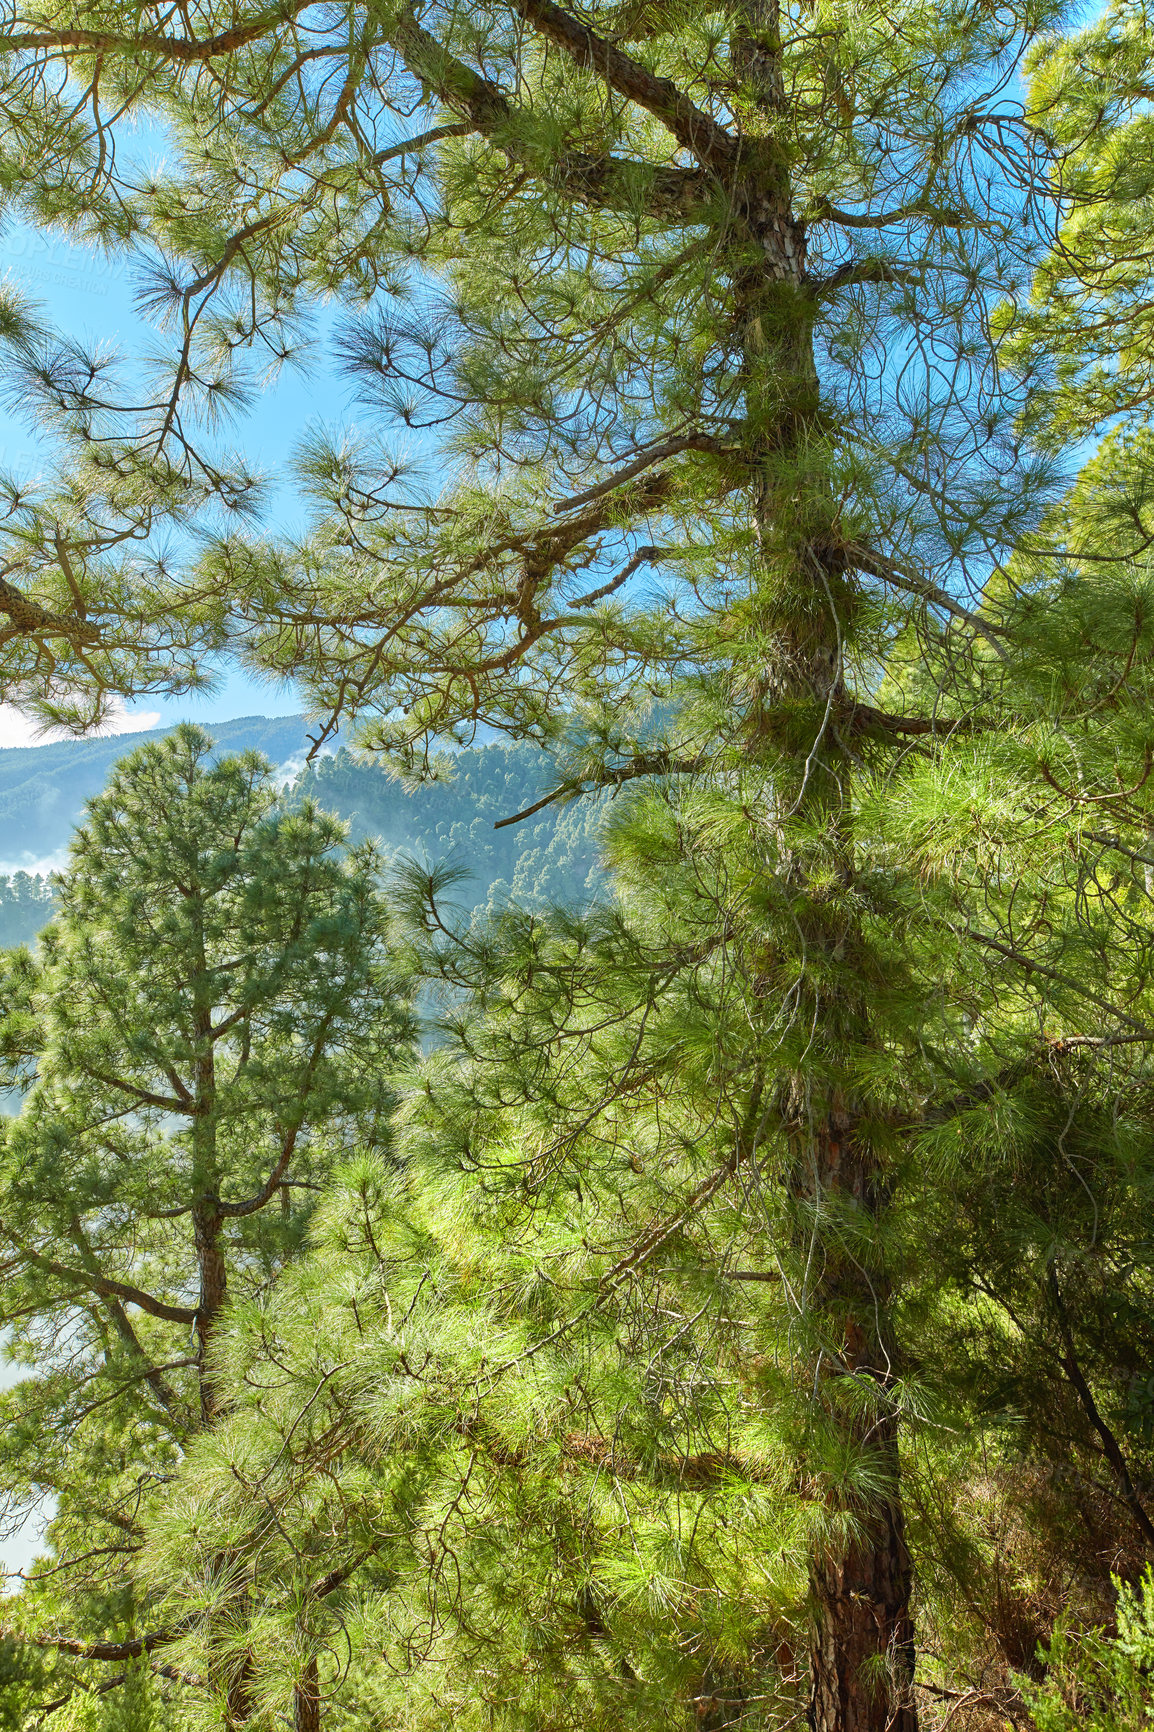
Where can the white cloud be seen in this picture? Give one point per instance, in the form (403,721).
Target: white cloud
(37,865)
(286,774)
(17,729)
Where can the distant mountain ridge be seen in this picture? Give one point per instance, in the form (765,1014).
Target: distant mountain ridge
(43,788)
(551,857)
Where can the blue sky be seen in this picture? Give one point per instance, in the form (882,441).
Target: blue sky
(90,297)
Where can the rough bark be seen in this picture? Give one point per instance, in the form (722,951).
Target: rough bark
(238,1703)
(862,1655)
(213,1269)
(212,1264)
(862,1652)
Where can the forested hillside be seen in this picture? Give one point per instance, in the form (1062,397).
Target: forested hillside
(43,788)
(26,902)
(549,857)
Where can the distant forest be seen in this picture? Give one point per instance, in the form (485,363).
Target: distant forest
(26,903)
(548,858)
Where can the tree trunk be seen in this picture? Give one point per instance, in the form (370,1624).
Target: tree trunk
(212,1264)
(805,605)
(861,1659)
(862,1651)
(307,1701)
(238,1703)
(213,1269)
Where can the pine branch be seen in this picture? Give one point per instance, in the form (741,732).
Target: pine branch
(645,460)
(101,1689)
(29,619)
(154,1374)
(640,1253)
(941,216)
(863,716)
(130,1650)
(162,1671)
(646,764)
(643,556)
(1111,1448)
(694,130)
(432,135)
(104,1285)
(147,1097)
(336,1578)
(253,1204)
(701,1470)
(1031,966)
(887,571)
(864,271)
(185,50)
(664,193)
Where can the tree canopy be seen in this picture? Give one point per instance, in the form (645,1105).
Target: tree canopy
(762,1238)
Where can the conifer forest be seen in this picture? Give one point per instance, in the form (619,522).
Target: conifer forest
(667,1244)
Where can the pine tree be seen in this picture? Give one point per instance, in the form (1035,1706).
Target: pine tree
(207,1025)
(552,1404)
(700,303)
(1042,1237)
(1086,330)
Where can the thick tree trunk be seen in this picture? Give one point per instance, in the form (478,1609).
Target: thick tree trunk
(212,1264)
(213,1269)
(861,1660)
(238,1704)
(862,1651)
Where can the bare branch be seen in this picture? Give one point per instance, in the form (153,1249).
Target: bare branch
(645,460)
(648,764)
(940,216)
(876,565)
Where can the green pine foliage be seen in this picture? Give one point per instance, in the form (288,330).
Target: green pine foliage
(586,1474)
(761,1234)
(209,1024)
(1086,330)
(1098,1679)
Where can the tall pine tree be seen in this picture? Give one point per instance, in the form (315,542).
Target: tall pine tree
(207,1026)
(700,304)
